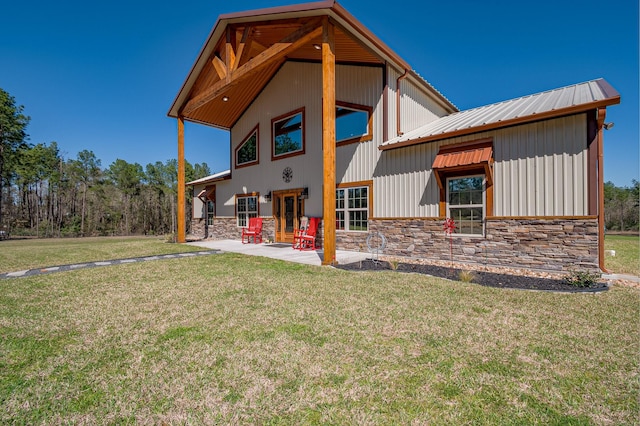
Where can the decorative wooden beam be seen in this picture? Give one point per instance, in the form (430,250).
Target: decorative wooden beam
(220,67)
(230,54)
(181,236)
(274,53)
(329,141)
(243,48)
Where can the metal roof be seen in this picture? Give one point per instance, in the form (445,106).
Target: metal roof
(211,178)
(553,103)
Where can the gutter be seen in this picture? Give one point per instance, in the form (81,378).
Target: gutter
(398,99)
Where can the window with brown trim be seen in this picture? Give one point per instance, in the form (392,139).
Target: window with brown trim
(466,204)
(246,153)
(246,208)
(287,133)
(354,123)
(353,206)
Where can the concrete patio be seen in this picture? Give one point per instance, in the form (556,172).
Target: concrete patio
(279,251)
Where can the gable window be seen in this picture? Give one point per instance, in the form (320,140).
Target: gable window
(246,208)
(288,135)
(247,151)
(465,204)
(353,123)
(352,207)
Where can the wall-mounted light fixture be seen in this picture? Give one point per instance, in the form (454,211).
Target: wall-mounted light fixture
(608,126)
(305,193)
(225,99)
(267,196)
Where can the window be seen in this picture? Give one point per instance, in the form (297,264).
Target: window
(352,208)
(353,123)
(466,204)
(247,151)
(288,135)
(211,212)
(246,208)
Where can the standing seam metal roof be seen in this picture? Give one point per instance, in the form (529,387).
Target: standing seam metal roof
(556,102)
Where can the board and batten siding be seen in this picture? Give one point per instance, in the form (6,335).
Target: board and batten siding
(297,85)
(540,169)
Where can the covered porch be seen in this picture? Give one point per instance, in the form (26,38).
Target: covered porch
(281,251)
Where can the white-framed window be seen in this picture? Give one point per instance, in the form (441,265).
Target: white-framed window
(352,208)
(211,212)
(353,123)
(287,135)
(466,203)
(246,208)
(247,151)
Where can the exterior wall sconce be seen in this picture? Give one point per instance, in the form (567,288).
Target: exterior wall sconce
(305,193)
(267,196)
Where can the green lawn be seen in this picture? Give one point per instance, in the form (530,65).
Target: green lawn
(627,258)
(227,339)
(18,255)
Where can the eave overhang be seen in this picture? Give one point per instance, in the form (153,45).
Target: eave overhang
(244,50)
(556,103)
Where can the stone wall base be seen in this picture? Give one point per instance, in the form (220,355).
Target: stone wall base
(560,245)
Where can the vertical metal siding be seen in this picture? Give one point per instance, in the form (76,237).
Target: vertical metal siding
(417,107)
(297,85)
(541,168)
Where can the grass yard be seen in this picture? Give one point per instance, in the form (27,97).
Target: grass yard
(18,255)
(227,339)
(627,258)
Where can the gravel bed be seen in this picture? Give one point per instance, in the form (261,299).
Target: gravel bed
(489,278)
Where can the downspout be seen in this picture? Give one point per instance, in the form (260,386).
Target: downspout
(402,77)
(601,113)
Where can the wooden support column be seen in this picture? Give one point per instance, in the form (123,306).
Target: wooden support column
(329,141)
(181,237)
(600,141)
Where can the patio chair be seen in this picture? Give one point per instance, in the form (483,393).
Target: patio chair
(254,230)
(308,240)
(297,233)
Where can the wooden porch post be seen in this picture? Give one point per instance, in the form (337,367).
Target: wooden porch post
(600,141)
(181,237)
(329,141)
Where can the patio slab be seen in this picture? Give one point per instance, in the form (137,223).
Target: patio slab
(280,251)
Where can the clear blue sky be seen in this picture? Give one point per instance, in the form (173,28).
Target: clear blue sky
(102,75)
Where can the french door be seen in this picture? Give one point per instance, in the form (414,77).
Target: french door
(288,208)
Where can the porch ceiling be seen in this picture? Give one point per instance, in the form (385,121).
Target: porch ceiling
(245,50)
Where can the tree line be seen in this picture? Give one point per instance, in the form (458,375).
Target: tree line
(45,195)
(622,207)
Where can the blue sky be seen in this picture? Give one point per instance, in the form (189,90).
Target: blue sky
(102,75)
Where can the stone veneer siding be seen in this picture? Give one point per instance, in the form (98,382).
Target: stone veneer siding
(555,244)
(225,228)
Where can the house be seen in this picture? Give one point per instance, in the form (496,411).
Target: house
(327,121)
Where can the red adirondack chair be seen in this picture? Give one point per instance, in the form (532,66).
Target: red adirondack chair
(297,233)
(308,239)
(254,230)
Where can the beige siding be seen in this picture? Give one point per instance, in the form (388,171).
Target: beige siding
(198,205)
(299,85)
(417,106)
(539,170)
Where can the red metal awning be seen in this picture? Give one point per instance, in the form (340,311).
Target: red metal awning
(464,157)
